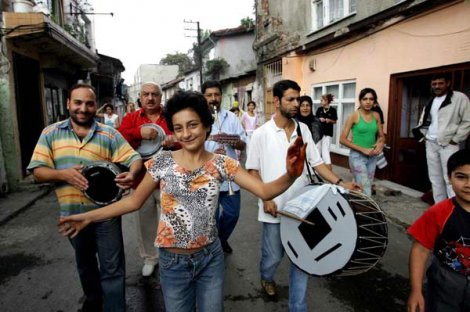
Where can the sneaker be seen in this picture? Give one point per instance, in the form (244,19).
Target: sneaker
(269,287)
(147,269)
(226,247)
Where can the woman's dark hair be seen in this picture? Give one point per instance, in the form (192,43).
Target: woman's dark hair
(364,91)
(234,109)
(329,97)
(251,102)
(192,100)
(458,159)
(108,105)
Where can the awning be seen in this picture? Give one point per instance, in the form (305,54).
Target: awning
(54,45)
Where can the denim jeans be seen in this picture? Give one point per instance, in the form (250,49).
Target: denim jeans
(272,252)
(363,169)
(104,283)
(227,220)
(437,157)
(196,279)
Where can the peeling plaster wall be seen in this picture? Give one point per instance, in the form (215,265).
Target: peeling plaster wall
(239,54)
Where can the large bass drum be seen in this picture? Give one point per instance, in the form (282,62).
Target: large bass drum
(346,233)
(102,189)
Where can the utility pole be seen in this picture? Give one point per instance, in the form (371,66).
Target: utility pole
(199,50)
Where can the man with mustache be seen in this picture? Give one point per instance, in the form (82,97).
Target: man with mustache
(226,123)
(444,124)
(151,111)
(61,152)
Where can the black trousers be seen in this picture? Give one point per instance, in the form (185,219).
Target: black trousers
(447,291)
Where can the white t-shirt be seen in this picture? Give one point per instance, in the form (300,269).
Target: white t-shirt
(267,154)
(111,121)
(433,130)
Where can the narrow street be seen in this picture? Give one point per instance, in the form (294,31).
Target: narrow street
(37,270)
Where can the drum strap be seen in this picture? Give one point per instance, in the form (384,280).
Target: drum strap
(312,181)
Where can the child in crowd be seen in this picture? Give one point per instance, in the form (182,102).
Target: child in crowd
(444,229)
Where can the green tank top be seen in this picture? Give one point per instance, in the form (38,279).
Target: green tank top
(364,133)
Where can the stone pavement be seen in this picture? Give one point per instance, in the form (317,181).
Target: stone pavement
(401,205)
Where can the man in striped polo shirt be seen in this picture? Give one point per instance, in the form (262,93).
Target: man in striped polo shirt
(61,152)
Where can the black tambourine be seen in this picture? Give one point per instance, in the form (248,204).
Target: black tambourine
(102,189)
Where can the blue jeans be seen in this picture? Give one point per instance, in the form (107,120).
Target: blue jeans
(363,170)
(272,252)
(198,278)
(104,283)
(227,220)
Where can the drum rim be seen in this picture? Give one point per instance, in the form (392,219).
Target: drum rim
(161,133)
(114,169)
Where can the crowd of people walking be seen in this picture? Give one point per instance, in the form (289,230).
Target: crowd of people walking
(186,195)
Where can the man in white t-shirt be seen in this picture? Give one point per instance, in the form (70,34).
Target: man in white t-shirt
(268,150)
(444,124)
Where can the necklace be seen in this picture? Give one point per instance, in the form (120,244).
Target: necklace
(326,110)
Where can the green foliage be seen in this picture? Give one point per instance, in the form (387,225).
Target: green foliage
(183,61)
(215,67)
(248,22)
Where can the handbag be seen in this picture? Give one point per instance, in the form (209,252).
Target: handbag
(381,161)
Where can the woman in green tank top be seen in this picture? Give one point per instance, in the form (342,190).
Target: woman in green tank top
(367,140)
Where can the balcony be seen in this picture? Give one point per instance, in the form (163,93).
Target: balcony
(55,46)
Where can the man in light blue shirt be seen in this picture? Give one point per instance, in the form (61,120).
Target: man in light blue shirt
(228,123)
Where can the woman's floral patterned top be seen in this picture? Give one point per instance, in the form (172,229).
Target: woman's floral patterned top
(188,199)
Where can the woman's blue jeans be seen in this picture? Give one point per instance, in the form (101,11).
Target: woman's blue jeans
(196,279)
(363,169)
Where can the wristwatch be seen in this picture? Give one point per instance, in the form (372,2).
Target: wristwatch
(339,181)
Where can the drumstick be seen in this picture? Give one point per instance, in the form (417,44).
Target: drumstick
(292,216)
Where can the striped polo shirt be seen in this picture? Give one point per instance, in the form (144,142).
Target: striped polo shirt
(59,148)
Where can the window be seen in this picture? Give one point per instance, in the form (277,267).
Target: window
(344,93)
(325,12)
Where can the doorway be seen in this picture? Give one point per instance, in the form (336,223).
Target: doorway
(409,94)
(28,105)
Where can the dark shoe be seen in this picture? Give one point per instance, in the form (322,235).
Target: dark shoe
(89,306)
(269,288)
(226,247)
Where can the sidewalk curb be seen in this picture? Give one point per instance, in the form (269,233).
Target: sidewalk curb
(12,199)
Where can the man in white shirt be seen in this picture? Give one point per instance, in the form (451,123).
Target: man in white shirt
(444,124)
(268,149)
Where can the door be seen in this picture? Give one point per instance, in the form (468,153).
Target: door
(28,105)
(409,94)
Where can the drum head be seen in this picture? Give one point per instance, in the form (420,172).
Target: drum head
(102,189)
(343,241)
(148,148)
(327,246)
